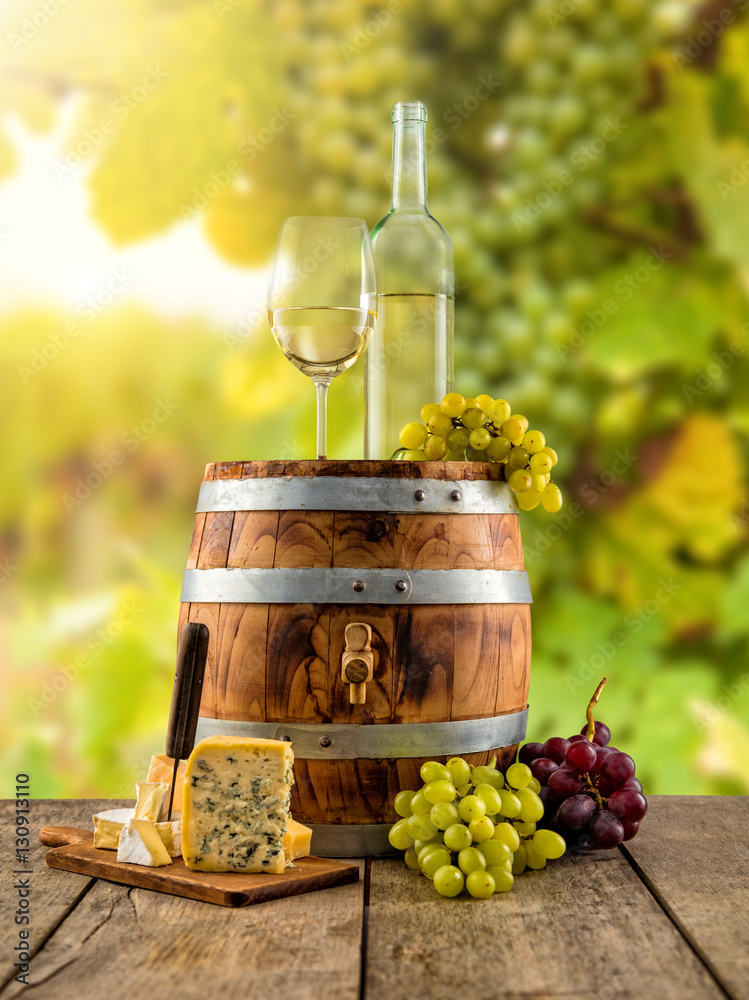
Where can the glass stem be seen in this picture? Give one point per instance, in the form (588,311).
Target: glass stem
(321,385)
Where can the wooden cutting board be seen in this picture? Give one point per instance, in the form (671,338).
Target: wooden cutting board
(74,851)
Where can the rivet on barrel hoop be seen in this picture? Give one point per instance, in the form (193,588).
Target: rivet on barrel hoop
(420,495)
(325,741)
(456,495)
(401,585)
(358,586)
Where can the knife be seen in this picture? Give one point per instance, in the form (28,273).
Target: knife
(192,653)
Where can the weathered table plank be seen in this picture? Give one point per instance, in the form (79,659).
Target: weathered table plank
(53,893)
(122,943)
(693,854)
(585,927)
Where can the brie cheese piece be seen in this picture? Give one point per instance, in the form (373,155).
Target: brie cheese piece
(140,844)
(108,827)
(152,800)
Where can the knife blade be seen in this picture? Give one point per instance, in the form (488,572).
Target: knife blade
(192,653)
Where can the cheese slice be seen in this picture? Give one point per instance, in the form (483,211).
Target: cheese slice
(108,827)
(140,844)
(235,810)
(152,801)
(297,840)
(162,769)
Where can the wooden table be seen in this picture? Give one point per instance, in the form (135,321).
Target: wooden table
(667,917)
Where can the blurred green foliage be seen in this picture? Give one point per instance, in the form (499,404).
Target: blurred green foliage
(599,207)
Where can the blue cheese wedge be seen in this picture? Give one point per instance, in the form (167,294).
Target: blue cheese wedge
(235,811)
(140,844)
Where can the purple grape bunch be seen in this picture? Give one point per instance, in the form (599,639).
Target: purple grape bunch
(589,790)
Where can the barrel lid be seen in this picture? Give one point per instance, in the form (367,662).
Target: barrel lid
(452,471)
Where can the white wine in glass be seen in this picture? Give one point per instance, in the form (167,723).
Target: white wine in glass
(322,299)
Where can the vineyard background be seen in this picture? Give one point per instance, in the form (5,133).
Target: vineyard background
(590,160)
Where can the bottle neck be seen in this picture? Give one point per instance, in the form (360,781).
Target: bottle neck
(409,165)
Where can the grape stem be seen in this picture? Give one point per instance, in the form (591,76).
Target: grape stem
(590,732)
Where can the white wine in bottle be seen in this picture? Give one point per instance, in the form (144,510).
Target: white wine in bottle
(410,357)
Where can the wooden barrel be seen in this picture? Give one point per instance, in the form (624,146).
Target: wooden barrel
(428,556)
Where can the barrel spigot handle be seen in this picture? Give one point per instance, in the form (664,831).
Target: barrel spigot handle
(357,662)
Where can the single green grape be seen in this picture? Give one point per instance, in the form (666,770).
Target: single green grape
(535,785)
(434,859)
(432,770)
(449,881)
(490,797)
(459,771)
(523,828)
(413,435)
(485,402)
(548,844)
(480,885)
(499,411)
(457,439)
(440,425)
(481,828)
(523,420)
(510,803)
(551,453)
(519,860)
(439,791)
(411,859)
(538,483)
(473,417)
(428,411)
(480,439)
(470,807)
(531,807)
(503,879)
(435,448)
(419,802)
(513,430)
(551,498)
(470,859)
(402,803)
(475,454)
(499,449)
(518,775)
(399,836)
(444,814)
(487,774)
(518,458)
(453,404)
(420,827)
(471,403)
(520,481)
(495,852)
(533,441)
(540,463)
(528,500)
(457,837)
(506,833)
(533,858)
(422,846)
(454,456)
(414,455)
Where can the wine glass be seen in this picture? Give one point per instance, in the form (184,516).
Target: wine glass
(322,299)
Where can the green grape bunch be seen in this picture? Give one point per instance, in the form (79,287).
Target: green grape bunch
(482,429)
(473,828)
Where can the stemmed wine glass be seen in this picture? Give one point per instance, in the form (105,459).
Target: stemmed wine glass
(322,299)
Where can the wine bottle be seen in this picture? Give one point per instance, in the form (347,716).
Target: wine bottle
(410,357)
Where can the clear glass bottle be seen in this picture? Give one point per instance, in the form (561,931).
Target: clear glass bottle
(409,361)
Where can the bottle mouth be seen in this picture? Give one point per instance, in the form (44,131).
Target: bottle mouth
(409,111)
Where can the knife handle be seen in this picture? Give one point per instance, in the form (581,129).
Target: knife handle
(192,653)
